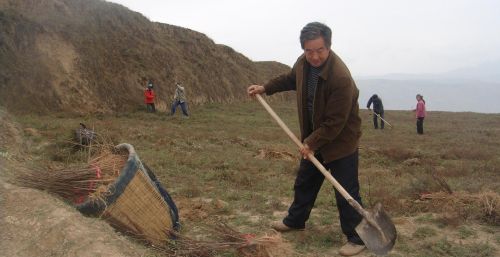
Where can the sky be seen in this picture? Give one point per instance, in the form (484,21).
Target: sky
(372,37)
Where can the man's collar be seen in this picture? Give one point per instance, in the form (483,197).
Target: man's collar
(326,66)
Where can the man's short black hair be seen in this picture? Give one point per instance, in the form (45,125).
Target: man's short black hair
(315,30)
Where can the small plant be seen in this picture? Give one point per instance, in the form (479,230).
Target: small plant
(424,232)
(276,204)
(446,248)
(191,192)
(428,217)
(464,232)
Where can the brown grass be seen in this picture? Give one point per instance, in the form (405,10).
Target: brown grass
(80,181)
(404,171)
(467,153)
(482,206)
(223,239)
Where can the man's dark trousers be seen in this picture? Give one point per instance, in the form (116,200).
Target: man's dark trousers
(375,119)
(307,185)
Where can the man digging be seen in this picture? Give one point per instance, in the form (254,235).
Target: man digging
(327,101)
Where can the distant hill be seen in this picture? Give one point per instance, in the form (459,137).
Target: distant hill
(473,89)
(440,94)
(95,56)
(485,72)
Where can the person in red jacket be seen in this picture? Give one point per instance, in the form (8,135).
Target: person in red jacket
(149,97)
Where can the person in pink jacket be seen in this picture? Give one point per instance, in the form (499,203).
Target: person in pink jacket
(420,114)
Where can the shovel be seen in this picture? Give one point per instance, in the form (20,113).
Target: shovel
(378,115)
(376,229)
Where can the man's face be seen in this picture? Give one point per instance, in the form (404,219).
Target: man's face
(316,52)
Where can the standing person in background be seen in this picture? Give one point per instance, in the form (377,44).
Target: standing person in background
(378,108)
(180,99)
(149,97)
(327,100)
(420,114)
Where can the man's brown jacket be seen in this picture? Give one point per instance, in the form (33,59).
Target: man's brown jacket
(336,123)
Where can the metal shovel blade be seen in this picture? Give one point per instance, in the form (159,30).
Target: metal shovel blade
(379,234)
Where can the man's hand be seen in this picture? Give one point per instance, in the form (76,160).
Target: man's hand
(305,151)
(255,89)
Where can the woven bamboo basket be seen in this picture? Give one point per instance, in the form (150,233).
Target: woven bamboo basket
(136,203)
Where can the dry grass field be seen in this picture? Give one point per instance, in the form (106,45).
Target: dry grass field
(233,163)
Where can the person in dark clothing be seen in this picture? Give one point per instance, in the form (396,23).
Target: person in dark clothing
(378,108)
(327,100)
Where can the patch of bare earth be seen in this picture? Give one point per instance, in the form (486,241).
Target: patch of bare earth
(33,223)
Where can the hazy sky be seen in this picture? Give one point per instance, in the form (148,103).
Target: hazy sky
(373,37)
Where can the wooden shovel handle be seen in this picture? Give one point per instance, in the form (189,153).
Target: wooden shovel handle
(382,118)
(313,159)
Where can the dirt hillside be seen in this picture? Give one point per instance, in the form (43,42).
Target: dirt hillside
(95,56)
